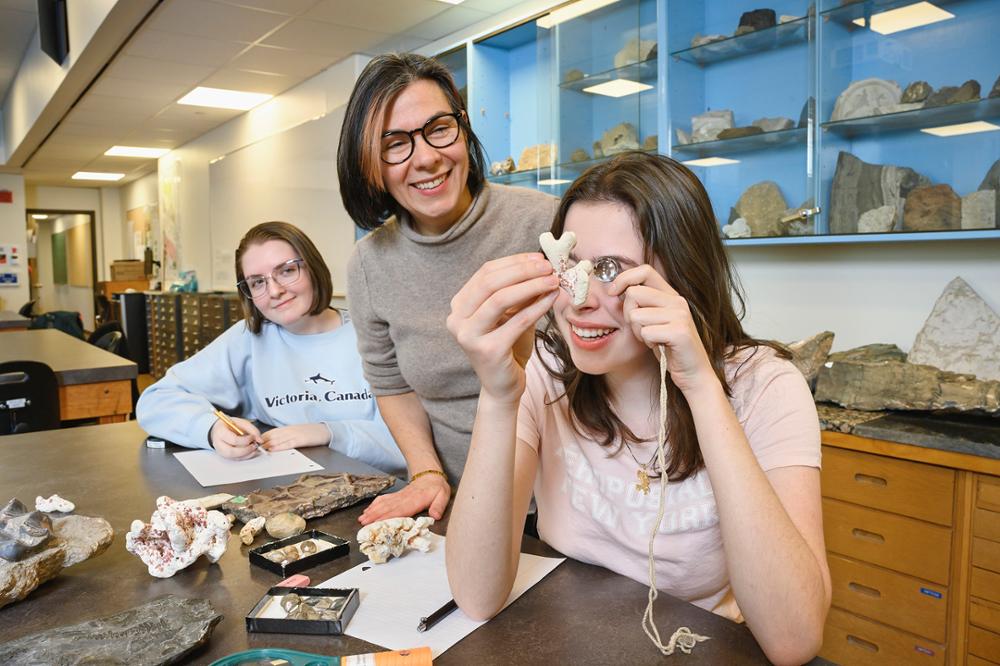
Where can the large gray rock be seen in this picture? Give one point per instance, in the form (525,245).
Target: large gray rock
(979,210)
(706,126)
(877,377)
(159,632)
(859,187)
(932,208)
(967,92)
(868,97)
(877,220)
(962,334)
(309,496)
(810,354)
(918,91)
(635,50)
(762,206)
(620,138)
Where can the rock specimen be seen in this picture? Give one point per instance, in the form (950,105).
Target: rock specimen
(251,530)
(501,168)
(979,210)
(533,157)
(810,354)
(774,124)
(284,525)
(573,75)
(579,155)
(859,187)
(576,278)
(877,377)
(73,540)
(877,220)
(22,532)
(310,496)
(682,136)
(214,501)
(967,92)
(995,90)
(992,182)
(758,19)
(838,419)
(932,208)
(962,334)
(701,40)
(618,139)
(706,126)
(159,632)
(738,228)
(392,537)
(762,206)
(918,91)
(178,534)
(737,132)
(636,50)
(651,142)
(53,504)
(868,97)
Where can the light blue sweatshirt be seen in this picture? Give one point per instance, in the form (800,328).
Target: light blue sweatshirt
(277,378)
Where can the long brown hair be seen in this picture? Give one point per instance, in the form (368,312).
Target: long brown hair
(359,165)
(674,218)
(312,264)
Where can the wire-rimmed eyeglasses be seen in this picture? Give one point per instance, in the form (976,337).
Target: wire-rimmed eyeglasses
(285,274)
(440,131)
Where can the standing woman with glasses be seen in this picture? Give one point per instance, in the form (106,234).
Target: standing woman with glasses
(411,170)
(292,363)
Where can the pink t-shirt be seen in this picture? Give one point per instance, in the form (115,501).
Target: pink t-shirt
(590,509)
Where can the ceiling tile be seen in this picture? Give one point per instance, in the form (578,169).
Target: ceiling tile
(120,121)
(289,7)
(327,39)
(42,163)
(215,20)
(162,45)
(116,164)
(67,152)
(491,6)
(386,16)
(92,102)
(151,91)
(238,79)
(273,60)
(453,20)
(69,127)
(157,69)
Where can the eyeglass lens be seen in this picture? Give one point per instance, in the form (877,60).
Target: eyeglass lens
(286,274)
(439,132)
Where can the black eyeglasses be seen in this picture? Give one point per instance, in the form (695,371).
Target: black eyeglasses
(285,274)
(439,132)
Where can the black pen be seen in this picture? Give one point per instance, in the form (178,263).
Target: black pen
(435,617)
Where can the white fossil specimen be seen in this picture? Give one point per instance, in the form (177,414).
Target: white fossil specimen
(575,279)
(54,503)
(176,535)
(252,529)
(393,536)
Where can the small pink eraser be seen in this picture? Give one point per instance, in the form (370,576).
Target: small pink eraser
(298,580)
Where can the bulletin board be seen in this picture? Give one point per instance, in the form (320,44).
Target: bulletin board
(79,256)
(59,265)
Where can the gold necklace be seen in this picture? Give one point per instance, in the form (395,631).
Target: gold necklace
(645,472)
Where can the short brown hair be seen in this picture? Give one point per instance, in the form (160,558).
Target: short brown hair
(359,163)
(312,263)
(674,218)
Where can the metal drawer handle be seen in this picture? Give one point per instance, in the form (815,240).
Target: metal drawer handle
(862,643)
(870,480)
(868,536)
(864,589)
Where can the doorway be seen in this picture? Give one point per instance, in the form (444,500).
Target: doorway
(62,266)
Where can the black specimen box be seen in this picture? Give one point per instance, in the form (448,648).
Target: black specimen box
(345,602)
(339,548)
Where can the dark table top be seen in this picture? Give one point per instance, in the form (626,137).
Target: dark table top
(10,319)
(73,360)
(578,614)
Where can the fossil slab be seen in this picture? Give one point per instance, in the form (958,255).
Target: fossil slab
(706,126)
(876,377)
(868,97)
(979,210)
(738,132)
(159,632)
(962,334)
(810,354)
(932,208)
(877,220)
(859,187)
(762,206)
(310,496)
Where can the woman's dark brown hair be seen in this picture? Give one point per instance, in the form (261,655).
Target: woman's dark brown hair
(674,218)
(359,163)
(312,264)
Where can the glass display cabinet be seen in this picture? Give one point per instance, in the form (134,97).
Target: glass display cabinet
(456,62)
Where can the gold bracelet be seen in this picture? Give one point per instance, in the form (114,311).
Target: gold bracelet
(426,472)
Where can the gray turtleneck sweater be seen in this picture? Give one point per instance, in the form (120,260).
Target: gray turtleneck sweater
(399,290)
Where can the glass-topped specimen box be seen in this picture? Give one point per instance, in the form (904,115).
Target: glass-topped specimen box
(738,83)
(908,145)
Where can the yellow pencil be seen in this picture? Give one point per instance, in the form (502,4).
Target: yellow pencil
(236,430)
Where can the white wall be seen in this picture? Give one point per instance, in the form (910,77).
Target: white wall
(13,224)
(53,296)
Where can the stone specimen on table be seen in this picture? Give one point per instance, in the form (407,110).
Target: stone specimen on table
(504,167)
(392,537)
(859,187)
(533,157)
(995,90)
(22,532)
(573,75)
(636,50)
(878,376)
(73,540)
(163,631)
(706,126)
(213,501)
(250,531)
(762,206)
(918,91)
(651,142)
(838,419)
(682,136)
(877,220)
(758,19)
(962,334)
(810,354)
(620,138)
(579,155)
(310,496)
(967,92)
(739,132)
(701,40)
(284,525)
(979,210)
(178,534)
(53,504)
(931,208)
(808,111)
(868,97)
(774,124)
(738,228)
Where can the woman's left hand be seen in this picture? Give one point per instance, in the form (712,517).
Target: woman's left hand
(296,437)
(659,315)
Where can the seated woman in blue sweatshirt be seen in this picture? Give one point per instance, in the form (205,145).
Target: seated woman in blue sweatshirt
(292,363)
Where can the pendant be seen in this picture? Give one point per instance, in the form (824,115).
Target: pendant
(643,485)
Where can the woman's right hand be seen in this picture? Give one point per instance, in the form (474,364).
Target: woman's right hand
(230,445)
(493,319)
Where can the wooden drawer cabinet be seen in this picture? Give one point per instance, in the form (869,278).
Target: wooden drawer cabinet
(985,644)
(849,639)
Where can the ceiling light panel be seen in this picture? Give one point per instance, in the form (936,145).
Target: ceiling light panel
(617,88)
(97,175)
(136,151)
(221,98)
(710,162)
(571,11)
(905,18)
(962,128)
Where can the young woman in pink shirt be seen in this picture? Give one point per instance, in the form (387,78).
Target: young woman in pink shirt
(574,415)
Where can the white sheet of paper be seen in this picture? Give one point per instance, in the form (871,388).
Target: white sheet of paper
(210,469)
(395,595)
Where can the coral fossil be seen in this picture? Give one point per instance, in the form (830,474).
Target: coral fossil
(177,534)
(391,537)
